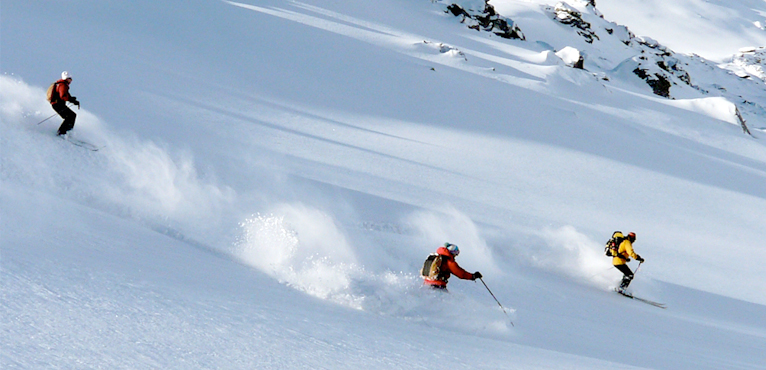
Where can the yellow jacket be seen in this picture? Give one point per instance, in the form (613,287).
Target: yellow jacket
(626,249)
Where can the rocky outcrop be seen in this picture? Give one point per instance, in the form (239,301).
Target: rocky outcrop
(659,67)
(566,14)
(609,51)
(659,83)
(446,49)
(749,62)
(571,57)
(482,17)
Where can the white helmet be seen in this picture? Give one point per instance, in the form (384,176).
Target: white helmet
(65,75)
(452,248)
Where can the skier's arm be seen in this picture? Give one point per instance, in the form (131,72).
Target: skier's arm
(629,250)
(458,271)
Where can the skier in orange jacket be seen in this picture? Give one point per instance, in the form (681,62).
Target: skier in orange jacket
(59,98)
(449,267)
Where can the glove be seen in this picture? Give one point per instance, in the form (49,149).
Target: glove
(74,101)
(639,259)
(477,275)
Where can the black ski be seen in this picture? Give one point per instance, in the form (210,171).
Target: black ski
(81,143)
(653,303)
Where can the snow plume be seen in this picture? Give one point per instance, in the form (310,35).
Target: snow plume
(302,247)
(126,177)
(17,99)
(573,253)
(457,311)
(454,227)
(157,181)
(24,107)
(306,248)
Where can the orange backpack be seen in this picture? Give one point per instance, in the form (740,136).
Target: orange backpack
(53,93)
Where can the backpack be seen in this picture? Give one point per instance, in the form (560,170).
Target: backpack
(612,247)
(52,94)
(432,267)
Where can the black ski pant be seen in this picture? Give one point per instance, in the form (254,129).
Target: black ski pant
(627,275)
(67,114)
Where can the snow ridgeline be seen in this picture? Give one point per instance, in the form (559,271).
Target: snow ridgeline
(666,73)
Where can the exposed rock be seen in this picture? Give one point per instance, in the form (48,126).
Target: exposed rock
(571,57)
(668,74)
(659,84)
(457,11)
(570,16)
(483,17)
(749,62)
(622,32)
(446,49)
(658,66)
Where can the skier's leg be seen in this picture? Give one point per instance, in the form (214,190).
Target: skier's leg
(69,117)
(61,109)
(627,275)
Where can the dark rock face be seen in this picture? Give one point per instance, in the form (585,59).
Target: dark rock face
(659,66)
(659,84)
(567,15)
(487,20)
(580,64)
(666,73)
(457,11)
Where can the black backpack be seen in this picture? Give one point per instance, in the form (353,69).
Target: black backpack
(612,247)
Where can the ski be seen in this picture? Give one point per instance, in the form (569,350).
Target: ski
(653,303)
(81,143)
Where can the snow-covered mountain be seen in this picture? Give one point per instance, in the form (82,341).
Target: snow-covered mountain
(271,175)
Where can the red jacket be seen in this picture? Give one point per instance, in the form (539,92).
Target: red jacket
(62,89)
(449,266)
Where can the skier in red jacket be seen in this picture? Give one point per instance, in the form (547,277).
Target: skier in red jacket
(449,267)
(59,97)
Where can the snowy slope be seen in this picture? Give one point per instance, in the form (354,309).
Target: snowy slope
(273,173)
(714,29)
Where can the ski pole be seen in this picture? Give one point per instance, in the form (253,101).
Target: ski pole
(78,107)
(46,118)
(498,302)
(639,266)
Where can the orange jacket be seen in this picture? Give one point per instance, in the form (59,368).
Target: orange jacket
(449,266)
(62,90)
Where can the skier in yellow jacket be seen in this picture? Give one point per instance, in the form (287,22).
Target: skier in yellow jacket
(620,260)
